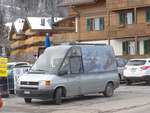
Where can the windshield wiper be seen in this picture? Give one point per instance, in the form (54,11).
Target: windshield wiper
(39,70)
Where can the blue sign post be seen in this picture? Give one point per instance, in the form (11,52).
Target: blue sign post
(47,41)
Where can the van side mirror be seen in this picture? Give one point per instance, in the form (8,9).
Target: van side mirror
(64,72)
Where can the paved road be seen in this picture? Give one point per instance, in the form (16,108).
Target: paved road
(127,99)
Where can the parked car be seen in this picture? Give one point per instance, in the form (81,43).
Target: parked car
(71,71)
(137,70)
(120,65)
(11,67)
(4,92)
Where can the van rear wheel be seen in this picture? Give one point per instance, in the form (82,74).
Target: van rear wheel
(27,100)
(58,96)
(109,90)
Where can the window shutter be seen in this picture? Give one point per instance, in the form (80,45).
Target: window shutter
(145,47)
(101,23)
(124,48)
(148,15)
(133,18)
(121,18)
(88,25)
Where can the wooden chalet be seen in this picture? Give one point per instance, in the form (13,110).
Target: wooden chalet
(29,43)
(124,24)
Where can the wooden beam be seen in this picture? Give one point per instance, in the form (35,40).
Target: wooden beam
(108,33)
(136,46)
(135,15)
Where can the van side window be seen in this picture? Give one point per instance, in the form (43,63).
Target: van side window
(76,65)
(73,62)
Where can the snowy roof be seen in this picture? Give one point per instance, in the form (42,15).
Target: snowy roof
(41,23)
(18,24)
(9,25)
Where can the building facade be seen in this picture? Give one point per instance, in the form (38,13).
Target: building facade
(28,36)
(124,24)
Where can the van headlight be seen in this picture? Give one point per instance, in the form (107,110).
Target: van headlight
(45,83)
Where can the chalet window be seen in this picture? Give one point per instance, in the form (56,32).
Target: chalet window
(95,24)
(128,48)
(126,18)
(148,15)
(99,23)
(146,46)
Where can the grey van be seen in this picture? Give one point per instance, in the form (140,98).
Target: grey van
(70,70)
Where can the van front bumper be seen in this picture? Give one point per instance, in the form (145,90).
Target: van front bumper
(36,94)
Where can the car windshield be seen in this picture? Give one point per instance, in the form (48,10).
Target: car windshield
(136,62)
(50,60)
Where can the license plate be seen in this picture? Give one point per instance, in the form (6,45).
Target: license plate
(133,69)
(26,92)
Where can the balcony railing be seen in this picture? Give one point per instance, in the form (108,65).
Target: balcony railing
(29,32)
(17,51)
(18,44)
(64,37)
(34,39)
(119,4)
(27,50)
(29,41)
(130,30)
(31,49)
(18,36)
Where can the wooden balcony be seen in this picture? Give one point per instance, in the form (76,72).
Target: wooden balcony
(18,36)
(130,30)
(17,51)
(28,32)
(34,39)
(64,37)
(125,4)
(31,49)
(18,44)
(27,50)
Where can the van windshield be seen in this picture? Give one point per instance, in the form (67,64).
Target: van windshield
(50,60)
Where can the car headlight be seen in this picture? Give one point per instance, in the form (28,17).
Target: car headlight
(45,83)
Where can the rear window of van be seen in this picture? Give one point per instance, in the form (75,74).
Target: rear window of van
(136,62)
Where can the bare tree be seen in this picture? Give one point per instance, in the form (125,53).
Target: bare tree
(2,26)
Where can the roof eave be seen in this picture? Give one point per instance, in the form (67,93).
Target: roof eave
(76,4)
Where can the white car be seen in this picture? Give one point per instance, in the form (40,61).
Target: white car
(137,70)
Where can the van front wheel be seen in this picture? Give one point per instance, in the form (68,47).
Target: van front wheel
(58,96)
(109,90)
(27,100)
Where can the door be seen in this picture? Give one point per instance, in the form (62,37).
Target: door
(72,65)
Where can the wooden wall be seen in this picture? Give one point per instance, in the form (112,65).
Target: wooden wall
(119,4)
(113,29)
